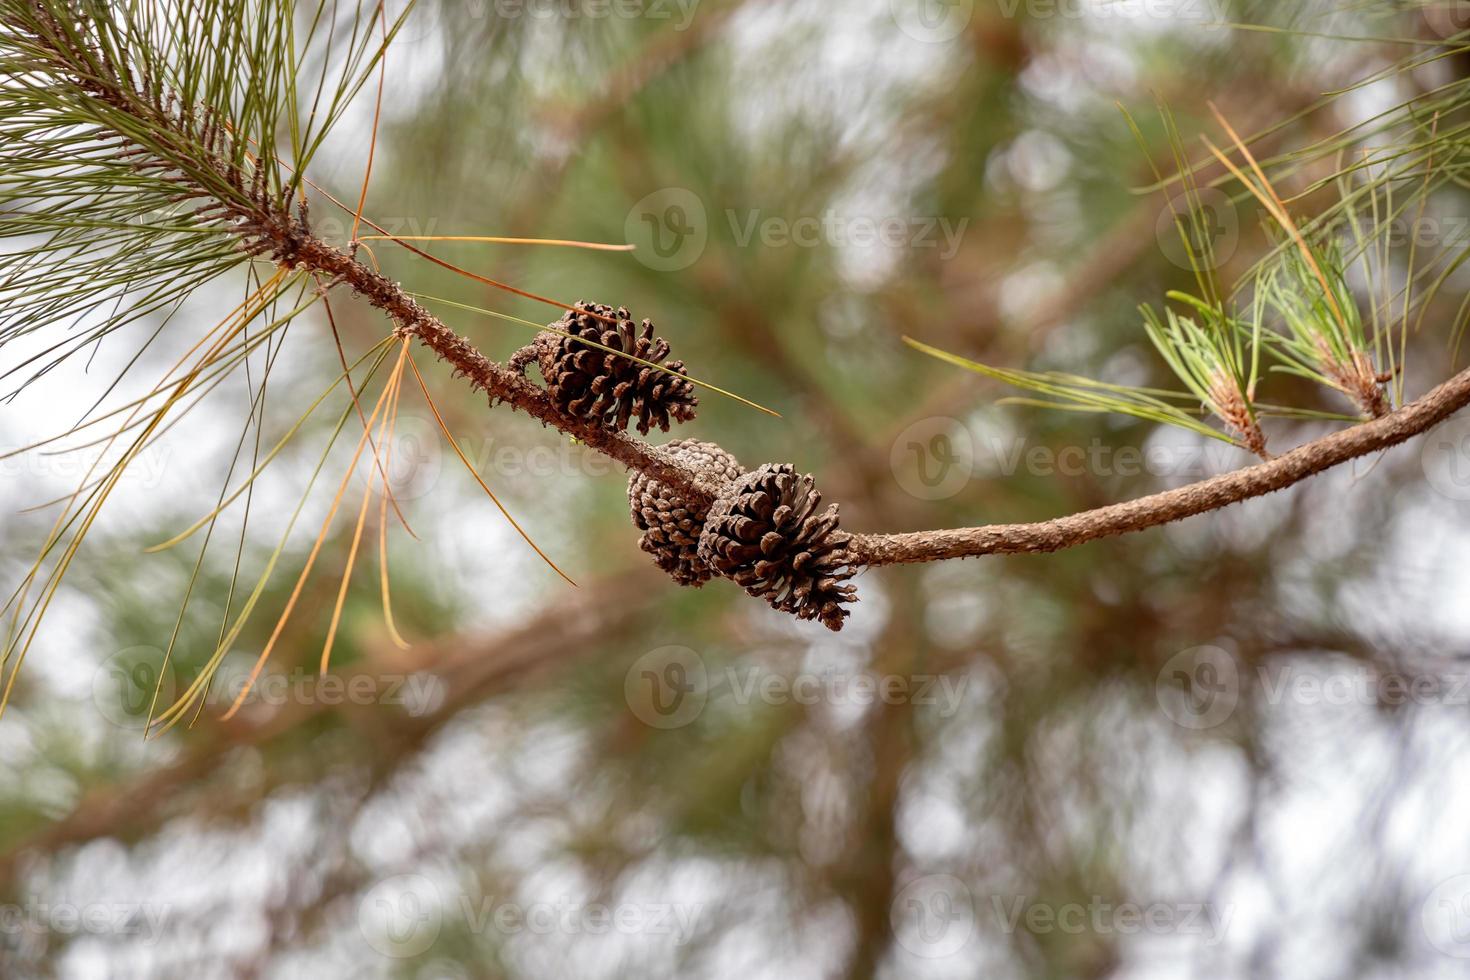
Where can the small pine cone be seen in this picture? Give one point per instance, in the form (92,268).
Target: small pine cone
(765,533)
(670,526)
(591,383)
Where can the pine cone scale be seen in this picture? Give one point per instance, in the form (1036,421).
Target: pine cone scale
(608,386)
(765,534)
(671,527)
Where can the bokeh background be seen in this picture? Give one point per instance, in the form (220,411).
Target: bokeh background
(1237,746)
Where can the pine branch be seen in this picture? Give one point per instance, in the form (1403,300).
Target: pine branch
(287,239)
(232,190)
(156,135)
(503,385)
(1172,505)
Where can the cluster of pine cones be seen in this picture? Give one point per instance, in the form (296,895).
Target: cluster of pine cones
(765,532)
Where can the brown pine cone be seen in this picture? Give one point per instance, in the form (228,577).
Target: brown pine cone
(670,526)
(591,383)
(765,533)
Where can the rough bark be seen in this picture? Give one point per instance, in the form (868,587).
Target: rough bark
(1171,505)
